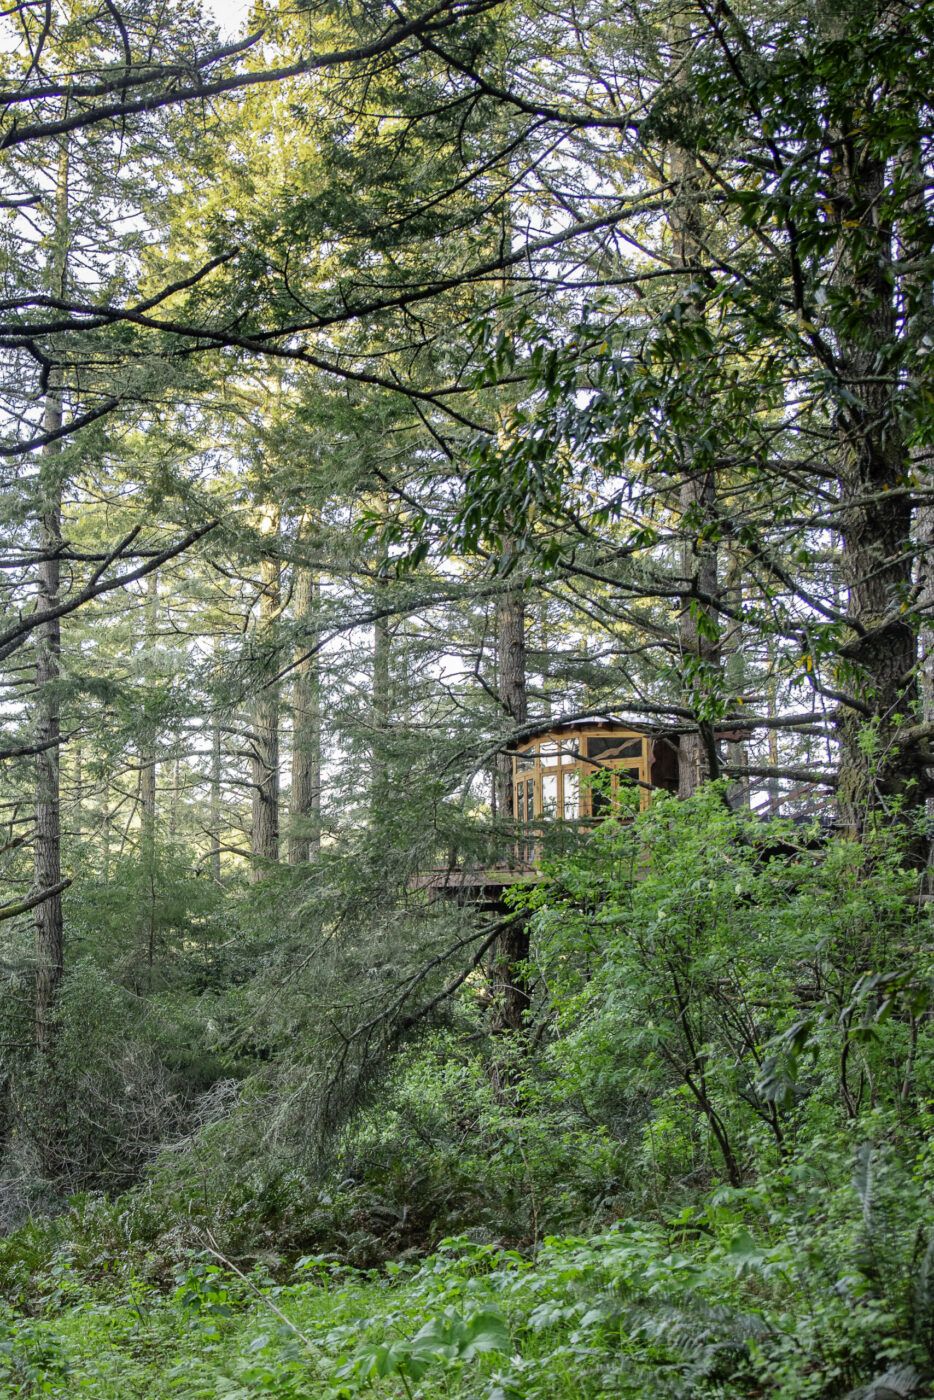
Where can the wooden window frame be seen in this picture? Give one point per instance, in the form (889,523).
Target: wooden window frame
(552,764)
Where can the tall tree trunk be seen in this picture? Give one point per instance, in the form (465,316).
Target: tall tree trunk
(697,495)
(305,833)
(47,853)
(215,789)
(509,983)
(774,787)
(508,976)
(735,676)
(147,748)
(47,840)
(106,824)
(913,235)
(697,631)
(380,793)
(878,663)
(924,535)
(176,789)
(265,739)
(512,681)
(79,791)
(216,798)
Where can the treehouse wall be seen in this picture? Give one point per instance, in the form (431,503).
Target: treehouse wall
(578,771)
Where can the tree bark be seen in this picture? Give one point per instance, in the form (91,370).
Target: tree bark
(216,798)
(878,662)
(265,740)
(147,772)
(176,789)
(508,980)
(305,833)
(380,793)
(697,630)
(774,787)
(47,840)
(697,494)
(735,677)
(78,799)
(47,853)
(511,677)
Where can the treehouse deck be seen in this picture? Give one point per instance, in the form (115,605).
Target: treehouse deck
(484,887)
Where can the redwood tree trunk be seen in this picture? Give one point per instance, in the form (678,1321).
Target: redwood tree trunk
(508,981)
(697,631)
(216,798)
(305,835)
(47,853)
(147,772)
(512,685)
(878,662)
(697,495)
(47,837)
(380,792)
(264,747)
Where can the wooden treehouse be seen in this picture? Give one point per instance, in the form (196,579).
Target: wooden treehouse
(556,772)
(570,773)
(564,776)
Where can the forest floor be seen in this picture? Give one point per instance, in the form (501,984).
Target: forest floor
(729,1300)
(584,1318)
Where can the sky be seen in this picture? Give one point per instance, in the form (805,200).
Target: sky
(229,14)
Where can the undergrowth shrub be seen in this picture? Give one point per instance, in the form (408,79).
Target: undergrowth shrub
(724,987)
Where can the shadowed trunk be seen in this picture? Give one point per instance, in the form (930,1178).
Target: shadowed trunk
(698,631)
(511,678)
(147,772)
(47,855)
(305,834)
(380,793)
(216,798)
(508,980)
(878,662)
(47,837)
(264,745)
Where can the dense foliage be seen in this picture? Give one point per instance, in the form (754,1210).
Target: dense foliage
(381,391)
(727,1092)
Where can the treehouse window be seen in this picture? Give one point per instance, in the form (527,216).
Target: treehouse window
(553,776)
(599,802)
(614,748)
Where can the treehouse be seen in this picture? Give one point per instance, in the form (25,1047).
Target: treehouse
(576,771)
(565,773)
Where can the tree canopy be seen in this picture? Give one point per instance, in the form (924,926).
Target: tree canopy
(396,403)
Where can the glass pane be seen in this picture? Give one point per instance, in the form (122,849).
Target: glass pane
(520,802)
(569,753)
(550,795)
(571,796)
(614,747)
(524,761)
(599,802)
(529,799)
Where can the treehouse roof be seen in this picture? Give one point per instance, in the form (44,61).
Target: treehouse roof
(577,726)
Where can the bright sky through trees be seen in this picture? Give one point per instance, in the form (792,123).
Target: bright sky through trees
(230,14)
